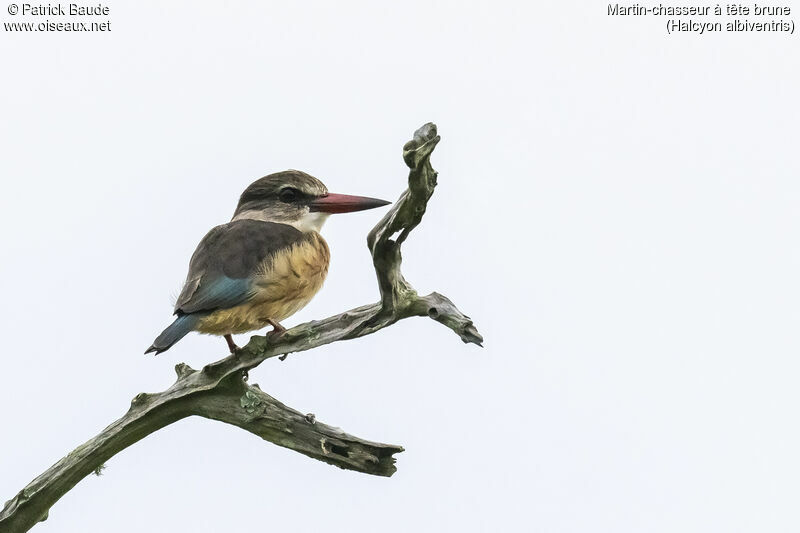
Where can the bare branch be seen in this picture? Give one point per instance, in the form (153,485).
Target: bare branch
(220,392)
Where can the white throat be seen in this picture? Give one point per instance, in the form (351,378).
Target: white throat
(311,221)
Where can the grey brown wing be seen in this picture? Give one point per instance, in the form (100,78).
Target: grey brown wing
(223,267)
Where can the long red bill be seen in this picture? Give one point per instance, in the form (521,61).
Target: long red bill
(344,203)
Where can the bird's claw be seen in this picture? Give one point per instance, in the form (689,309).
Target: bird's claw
(275,334)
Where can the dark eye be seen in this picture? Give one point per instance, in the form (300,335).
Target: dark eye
(289,195)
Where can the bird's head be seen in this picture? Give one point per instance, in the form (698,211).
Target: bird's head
(297,199)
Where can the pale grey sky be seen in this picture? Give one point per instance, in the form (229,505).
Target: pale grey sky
(617,211)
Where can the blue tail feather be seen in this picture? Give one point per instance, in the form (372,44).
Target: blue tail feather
(174,332)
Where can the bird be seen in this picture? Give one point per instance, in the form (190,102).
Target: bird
(264,265)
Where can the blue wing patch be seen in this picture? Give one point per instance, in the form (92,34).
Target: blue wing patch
(221,292)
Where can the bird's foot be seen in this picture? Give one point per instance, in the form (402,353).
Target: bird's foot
(277,329)
(231,345)
(275,334)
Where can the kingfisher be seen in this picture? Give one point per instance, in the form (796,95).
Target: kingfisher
(262,266)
